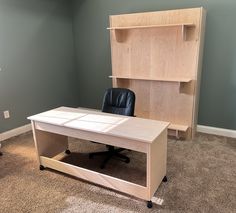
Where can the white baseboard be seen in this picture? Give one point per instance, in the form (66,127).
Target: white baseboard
(216,131)
(15,132)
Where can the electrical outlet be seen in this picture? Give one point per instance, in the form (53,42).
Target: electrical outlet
(6,114)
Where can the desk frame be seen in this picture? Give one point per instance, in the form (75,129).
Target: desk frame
(51,140)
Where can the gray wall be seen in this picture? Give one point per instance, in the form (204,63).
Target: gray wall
(40,71)
(217,100)
(37,58)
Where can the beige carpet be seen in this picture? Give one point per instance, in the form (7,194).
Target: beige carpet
(201,178)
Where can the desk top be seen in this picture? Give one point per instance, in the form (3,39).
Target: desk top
(133,128)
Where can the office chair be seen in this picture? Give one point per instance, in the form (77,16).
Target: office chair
(117,101)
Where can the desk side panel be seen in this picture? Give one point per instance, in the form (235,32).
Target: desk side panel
(49,144)
(156,163)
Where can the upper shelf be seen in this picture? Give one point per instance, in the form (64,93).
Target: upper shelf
(181,80)
(152,26)
(120,31)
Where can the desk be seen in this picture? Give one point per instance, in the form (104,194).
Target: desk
(51,129)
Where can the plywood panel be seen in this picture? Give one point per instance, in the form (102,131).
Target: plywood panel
(156,18)
(169,105)
(142,92)
(199,60)
(158,45)
(97,178)
(140,49)
(155,53)
(156,163)
(121,52)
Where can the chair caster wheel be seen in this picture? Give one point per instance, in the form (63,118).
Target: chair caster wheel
(164,179)
(41,167)
(68,152)
(0,154)
(149,204)
(127,160)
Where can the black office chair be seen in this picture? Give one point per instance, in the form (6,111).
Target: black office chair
(117,101)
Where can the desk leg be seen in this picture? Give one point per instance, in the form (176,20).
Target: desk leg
(156,163)
(48,144)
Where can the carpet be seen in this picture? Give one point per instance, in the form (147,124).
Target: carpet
(201,178)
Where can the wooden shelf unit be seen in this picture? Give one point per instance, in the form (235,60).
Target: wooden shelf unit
(180,80)
(177,130)
(177,127)
(183,83)
(158,55)
(120,31)
(152,26)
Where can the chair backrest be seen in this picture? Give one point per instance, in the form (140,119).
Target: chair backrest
(119,101)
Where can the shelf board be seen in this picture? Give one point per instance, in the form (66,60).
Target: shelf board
(182,128)
(181,80)
(152,26)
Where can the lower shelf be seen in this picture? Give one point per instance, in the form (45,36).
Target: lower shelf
(182,128)
(178,131)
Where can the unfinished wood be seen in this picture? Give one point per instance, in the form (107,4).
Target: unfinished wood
(142,130)
(99,137)
(107,119)
(160,66)
(89,126)
(35,141)
(57,116)
(126,132)
(153,101)
(169,105)
(156,163)
(121,33)
(184,80)
(139,129)
(97,178)
(143,98)
(186,32)
(47,143)
(151,26)
(199,60)
(185,85)
(51,144)
(152,54)
(182,128)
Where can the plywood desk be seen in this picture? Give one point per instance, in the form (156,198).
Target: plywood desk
(52,128)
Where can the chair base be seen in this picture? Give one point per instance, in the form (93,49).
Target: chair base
(112,152)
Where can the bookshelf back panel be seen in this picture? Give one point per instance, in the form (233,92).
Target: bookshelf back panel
(152,53)
(160,100)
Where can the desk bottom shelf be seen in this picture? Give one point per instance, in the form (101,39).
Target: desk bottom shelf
(97,178)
